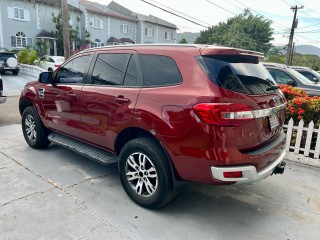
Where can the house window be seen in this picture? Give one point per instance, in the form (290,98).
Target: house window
(125,28)
(97,22)
(18,11)
(168,35)
(149,32)
(20,40)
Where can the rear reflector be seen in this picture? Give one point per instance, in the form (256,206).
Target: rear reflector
(232,174)
(223,114)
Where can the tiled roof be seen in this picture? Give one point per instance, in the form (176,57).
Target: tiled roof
(104,10)
(150,18)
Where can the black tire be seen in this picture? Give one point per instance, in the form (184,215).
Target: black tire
(34,132)
(15,72)
(162,190)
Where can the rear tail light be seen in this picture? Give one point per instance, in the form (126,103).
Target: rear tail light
(237,174)
(223,114)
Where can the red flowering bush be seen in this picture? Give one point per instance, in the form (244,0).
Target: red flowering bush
(292,92)
(306,108)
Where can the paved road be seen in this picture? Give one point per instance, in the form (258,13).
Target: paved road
(56,194)
(12,85)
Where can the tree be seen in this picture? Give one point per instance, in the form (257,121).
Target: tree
(242,31)
(183,41)
(59,32)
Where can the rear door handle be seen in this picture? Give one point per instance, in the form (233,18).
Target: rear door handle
(120,99)
(72,95)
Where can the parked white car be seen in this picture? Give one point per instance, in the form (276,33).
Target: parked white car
(50,63)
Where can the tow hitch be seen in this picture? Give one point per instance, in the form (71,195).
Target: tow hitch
(279,168)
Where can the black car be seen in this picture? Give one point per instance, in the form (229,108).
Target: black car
(308,73)
(283,74)
(9,62)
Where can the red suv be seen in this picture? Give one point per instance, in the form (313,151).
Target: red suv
(165,113)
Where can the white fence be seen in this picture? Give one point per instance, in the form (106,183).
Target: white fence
(303,143)
(30,70)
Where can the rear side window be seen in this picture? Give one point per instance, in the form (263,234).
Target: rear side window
(159,71)
(237,73)
(109,69)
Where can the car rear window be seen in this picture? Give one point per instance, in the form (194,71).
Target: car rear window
(237,73)
(159,71)
(5,55)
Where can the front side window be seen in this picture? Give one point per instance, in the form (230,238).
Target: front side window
(159,71)
(109,69)
(307,75)
(279,76)
(73,71)
(131,77)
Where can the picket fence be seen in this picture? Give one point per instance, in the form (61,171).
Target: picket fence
(303,142)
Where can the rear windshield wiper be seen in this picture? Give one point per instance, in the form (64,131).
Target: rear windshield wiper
(274,87)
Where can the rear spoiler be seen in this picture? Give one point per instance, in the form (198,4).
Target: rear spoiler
(230,51)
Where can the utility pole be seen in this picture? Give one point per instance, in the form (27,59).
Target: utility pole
(294,25)
(65,27)
(291,54)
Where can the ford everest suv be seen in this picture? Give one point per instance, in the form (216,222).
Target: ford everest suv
(164,113)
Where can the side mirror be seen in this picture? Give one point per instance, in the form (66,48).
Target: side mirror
(291,82)
(316,80)
(45,77)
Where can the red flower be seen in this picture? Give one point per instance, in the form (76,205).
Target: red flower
(299,117)
(300,111)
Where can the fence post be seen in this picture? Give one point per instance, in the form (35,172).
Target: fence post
(317,149)
(289,133)
(309,137)
(299,136)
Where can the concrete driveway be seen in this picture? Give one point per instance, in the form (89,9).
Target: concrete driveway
(57,194)
(13,85)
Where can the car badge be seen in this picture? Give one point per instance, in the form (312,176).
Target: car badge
(276,99)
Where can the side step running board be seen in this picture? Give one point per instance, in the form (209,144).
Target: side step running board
(83,149)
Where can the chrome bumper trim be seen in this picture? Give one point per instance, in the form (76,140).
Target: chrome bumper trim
(249,172)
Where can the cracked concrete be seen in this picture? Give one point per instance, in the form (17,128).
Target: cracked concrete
(57,194)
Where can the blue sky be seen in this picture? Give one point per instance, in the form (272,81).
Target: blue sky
(214,11)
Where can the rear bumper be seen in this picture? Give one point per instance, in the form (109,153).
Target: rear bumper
(249,172)
(3,99)
(9,68)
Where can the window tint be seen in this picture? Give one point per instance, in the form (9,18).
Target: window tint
(109,69)
(307,75)
(237,73)
(159,70)
(131,77)
(73,71)
(279,76)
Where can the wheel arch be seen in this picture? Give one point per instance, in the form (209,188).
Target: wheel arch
(131,133)
(24,104)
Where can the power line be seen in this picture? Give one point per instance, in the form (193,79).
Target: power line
(307,8)
(263,15)
(309,26)
(181,12)
(174,14)
(220,7)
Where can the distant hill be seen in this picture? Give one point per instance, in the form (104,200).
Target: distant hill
(304,49)
(190,36)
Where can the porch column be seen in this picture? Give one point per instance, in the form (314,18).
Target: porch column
(55,47)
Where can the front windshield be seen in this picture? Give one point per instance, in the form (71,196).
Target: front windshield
(302,78)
